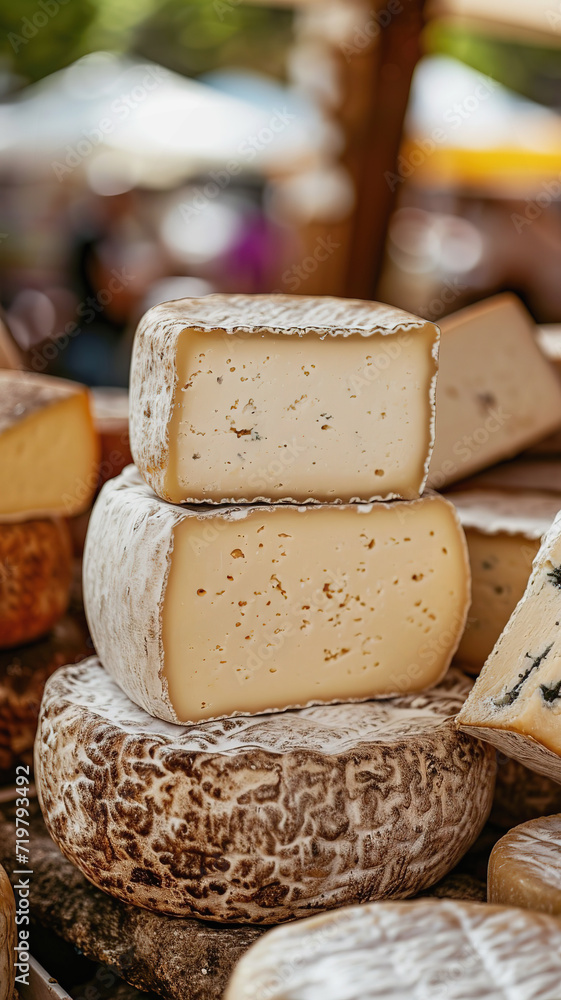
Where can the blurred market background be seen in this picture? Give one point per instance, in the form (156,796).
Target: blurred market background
(396,150)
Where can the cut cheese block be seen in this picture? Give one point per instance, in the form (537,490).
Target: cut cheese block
(35,577)
(203,613)
(496,392)
(259,819)
(23,673)
(521,794)
(525,866)
(7,937)
(503,533)
(516,701)
(48,447)
(110,407)
(276,397)
(430,949)
(543,475)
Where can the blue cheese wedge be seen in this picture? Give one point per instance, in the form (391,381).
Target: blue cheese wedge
(516,701)
(261,819)
(201,613)
(282,397)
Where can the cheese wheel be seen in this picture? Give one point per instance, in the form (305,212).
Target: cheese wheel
(7,937)
(205,612)
(525,866)
(258,819)
(35,576)
(23,673)
(522,795)
(423,950)
(282,397)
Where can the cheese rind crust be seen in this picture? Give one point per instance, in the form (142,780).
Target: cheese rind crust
(281,448)
(259,819)
(397,951)
(202,613)
(525,866)
(36,561)
(7,937)
(522,795)
(516,701)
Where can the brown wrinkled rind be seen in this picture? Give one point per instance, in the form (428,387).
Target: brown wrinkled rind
(522,795)
(154,375)
(23,674)
(259,819)
(178,959)
(35,577)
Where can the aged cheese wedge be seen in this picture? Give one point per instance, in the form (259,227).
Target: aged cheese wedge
(48,447)
(7,937)
(35,577)
(516,701)
(503,533)
(275,397)
(203,613)
(259,819)
(429,949)
(496,392)
(23,673)
(521,794)
(525,867)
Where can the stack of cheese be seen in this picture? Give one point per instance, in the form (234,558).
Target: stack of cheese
(273,551)
(48,456)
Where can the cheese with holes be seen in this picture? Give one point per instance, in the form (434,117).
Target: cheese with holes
(23,673)
(503,535)
(259,819)
(35,577)
(521,794)
(275,397)
(48,447)
(496,392)
(203,613)
(525,867)
(429,949)
(516,701)
(7,937)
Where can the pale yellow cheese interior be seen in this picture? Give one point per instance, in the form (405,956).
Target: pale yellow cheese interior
(285,416)
(284,607)
(500,567)
(49,461)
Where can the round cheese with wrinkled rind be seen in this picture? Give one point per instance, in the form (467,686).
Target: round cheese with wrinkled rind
(259,819)
(525,866)
(7,937)
(430,949)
